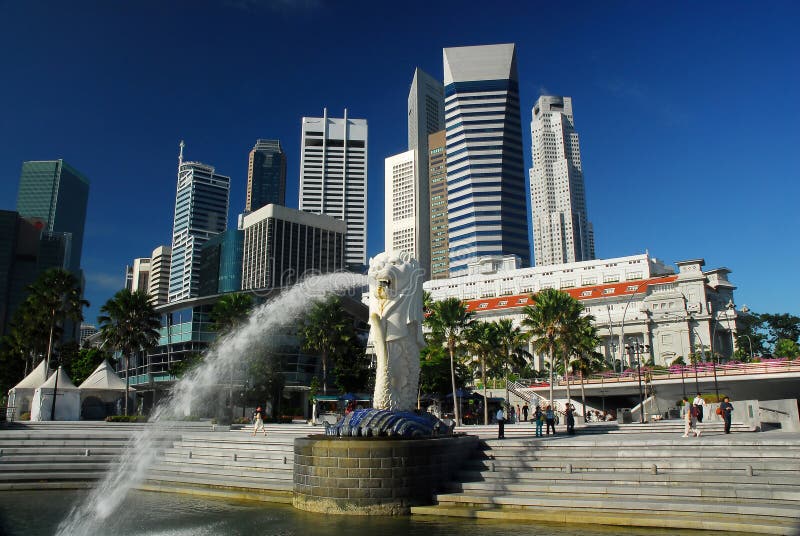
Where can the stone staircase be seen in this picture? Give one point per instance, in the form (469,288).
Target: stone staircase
(232,464)
(62,455)
(734,483)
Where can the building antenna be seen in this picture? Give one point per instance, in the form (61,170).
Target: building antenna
(180,154)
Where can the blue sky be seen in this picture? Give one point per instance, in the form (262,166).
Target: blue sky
(687,111)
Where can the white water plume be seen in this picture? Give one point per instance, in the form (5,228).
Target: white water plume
(93,515)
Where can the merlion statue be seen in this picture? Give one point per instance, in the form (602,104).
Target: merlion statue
(395,318)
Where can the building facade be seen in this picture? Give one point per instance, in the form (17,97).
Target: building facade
(282,244)
(221,264)
(562,232)
(635,298)
(87,330)
(26,250)
(201,212)
(333,177)
(405,205)
(437,189)
(158,286)
(57,194)
(486,205)
(266,175)
(137,275)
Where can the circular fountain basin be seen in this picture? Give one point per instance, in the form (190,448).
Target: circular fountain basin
(373,475)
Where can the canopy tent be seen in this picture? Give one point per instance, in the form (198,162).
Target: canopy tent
(21,395)
(68,399)
(102,393)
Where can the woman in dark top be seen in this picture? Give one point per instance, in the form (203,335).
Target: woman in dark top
(727,408)
(570,414)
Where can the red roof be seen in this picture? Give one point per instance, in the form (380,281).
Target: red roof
(579,293)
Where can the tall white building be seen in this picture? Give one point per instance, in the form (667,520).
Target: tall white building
(561,229)
(406,204)
(137,275)
(333,177)
(486,205)
(158,286)
(201,211)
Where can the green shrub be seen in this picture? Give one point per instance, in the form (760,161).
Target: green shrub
(126,418)
(26,416)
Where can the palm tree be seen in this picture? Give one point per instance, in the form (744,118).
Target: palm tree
(482,341)
(230,311)
(587,358)
(56,295)
(547,320)
(571,336)
(129,324)
(448,321)
(326,328)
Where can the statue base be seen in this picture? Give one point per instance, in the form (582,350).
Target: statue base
(388,423)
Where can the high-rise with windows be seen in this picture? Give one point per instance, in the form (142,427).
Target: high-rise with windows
(486,199)
(158,286)
(561,229)
(137,275)
(406,225)
(333,177)
(57,194)
(201,211)
(266,175)
(437,180)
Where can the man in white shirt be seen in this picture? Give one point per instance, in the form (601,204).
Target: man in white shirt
(501,422)
(701,404)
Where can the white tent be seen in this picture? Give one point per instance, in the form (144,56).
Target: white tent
(21,395)
(102,393)
(68,399)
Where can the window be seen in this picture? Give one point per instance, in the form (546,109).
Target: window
(522,300)
(631,288)
(586,293)
(502,302)
(484,305)
(608,290)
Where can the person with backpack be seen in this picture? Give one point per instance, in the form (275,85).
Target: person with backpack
(725,409)
(570,417)
(690,418)
(538,420)
(550,419)
(258,421)
(700,404)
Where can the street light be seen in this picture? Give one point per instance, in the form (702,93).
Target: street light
(638,349)
(622,326)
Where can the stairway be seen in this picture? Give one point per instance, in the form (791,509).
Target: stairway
(232,464)
(67,455)
(736,483)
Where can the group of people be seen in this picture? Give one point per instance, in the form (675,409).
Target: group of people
(693,414)
(546,419)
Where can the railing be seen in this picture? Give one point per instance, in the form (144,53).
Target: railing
(523,391)
(676,372)
(7,413)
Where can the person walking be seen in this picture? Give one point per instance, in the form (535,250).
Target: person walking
(550,419)
(690,419)
(258,421)
(501,423)
(525,412)
(726,408)
(570,418)
(538,419)
(700,404)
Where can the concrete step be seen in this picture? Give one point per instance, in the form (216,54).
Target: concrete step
(55,458)
(226,454)
(717,494)
(227,472)
(643,504)
(159,474)
(47,475)
(72,465)
(601,465)
(56,451)
(212,489)
(697,479)
(260,465)
(720,522)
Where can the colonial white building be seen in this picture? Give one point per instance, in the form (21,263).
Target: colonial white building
(635,298)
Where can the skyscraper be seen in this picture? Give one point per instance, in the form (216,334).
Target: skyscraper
(333,177)
(158,286)
(137,275)
(406,222)
(266,175)
(437,179)
(201,211)
(561,229)
(221,264)
(57,194)
(486,206)
(282,244)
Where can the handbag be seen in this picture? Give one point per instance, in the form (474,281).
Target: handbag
(719,411)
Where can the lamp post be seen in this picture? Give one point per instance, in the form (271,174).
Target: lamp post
(711,346)
(622,326)
(55,389)
(638,349)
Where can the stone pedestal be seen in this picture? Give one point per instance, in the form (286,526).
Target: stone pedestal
(374,476)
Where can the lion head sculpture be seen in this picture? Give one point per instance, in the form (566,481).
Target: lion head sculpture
(395,292)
